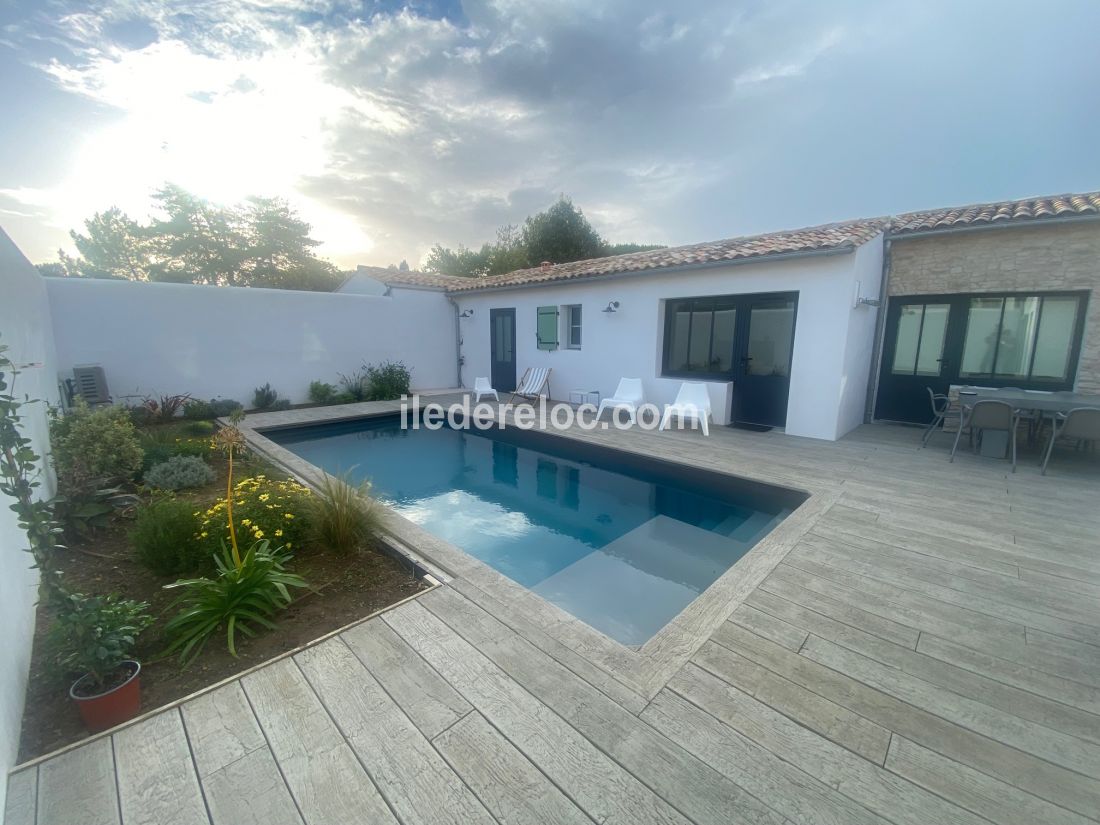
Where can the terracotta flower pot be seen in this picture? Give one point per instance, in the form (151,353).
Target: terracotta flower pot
(112,707)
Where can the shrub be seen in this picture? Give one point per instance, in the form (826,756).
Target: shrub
(235,598)
(165,408)
(164,538)
(89,509)
(262,509)
(344,398)
(280,404)
(96,634)
(343,516)
(198,410)
(264,397)
(93,447)
(321,392)
(355,386)
(179,472)
(224,407)
(162,444)
(387,381)
(201,429)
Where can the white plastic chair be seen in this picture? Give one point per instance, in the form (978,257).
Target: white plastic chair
(628,396)
(483,387)
(692,402)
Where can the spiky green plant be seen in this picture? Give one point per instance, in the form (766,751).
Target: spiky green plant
(242,595)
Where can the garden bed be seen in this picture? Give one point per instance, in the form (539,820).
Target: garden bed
(343,589)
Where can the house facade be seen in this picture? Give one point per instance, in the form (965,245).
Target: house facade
(814,330)
(779,338)
(994,295)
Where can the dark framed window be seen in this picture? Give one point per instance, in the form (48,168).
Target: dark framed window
(699,336)
(1032,339)
(572,315)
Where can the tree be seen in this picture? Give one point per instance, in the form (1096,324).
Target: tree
(463,262)
(116,246)
(560,234)
(280,250)
(196,242)
(626,248)
(260,242)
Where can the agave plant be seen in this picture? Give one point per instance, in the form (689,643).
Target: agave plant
(239,597)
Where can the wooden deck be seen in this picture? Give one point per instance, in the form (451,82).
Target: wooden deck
(926,651)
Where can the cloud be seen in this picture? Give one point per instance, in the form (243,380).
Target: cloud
(393,126)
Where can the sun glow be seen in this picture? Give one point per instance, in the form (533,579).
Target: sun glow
(222,127)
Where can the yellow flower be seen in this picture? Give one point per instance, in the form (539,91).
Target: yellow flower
(246,521)
(279,532)
(265,497)
(289,545)
(288,515)
(203,534)
(258,533)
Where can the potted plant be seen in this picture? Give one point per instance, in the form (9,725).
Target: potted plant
(95,636)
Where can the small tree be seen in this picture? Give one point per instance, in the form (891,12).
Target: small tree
(560,234)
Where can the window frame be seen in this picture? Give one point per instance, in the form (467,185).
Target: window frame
(671,304)
(567,313)
(1025,382)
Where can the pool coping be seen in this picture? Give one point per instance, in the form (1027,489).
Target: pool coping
(646,669)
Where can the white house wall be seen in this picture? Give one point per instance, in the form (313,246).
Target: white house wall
(832,337)
(25,328)
(859,350)
(224,342)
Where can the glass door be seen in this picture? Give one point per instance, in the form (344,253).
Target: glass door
(762,359)
(502,345)
(1030,341)
(914,358)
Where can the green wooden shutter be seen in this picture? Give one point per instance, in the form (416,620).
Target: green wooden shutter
(547,328)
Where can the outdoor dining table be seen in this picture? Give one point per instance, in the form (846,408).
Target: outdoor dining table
(1044,403)
(1050,402)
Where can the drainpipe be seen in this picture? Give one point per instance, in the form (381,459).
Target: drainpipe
(458,342)
(880,330)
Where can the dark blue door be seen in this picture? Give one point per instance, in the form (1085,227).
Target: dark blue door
(502,346)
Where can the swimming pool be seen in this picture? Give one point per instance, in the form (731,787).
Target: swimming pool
(621,541)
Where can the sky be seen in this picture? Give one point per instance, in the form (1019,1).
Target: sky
(393,126)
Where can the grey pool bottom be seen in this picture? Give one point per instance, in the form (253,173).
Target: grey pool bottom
(622,542)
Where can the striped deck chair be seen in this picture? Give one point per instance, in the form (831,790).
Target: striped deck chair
(532,384)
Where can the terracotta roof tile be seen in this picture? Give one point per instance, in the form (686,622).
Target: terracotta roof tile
(848,234)
(988,214)
(410,277)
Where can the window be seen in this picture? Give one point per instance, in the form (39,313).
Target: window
(699,336)
(1025,338)
(572,316)
(918,345)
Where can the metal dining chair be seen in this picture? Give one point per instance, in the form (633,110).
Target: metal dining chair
(1033,418)
(1082,423)
(989,415)
(941,410)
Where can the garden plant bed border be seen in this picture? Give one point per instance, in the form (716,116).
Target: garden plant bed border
(344,590)
(28,762)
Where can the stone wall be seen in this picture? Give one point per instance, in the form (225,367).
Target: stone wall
(1037,258)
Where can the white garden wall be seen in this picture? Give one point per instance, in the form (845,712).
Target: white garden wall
(224,342)
(832,344)
(25,328)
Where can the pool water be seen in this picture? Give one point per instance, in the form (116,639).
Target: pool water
(622,542)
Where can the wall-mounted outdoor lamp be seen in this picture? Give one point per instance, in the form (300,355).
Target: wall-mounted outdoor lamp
(466,313)
(612,306)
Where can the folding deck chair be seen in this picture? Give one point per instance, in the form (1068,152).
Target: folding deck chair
(532,383)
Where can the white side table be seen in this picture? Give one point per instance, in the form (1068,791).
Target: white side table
(578,397)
